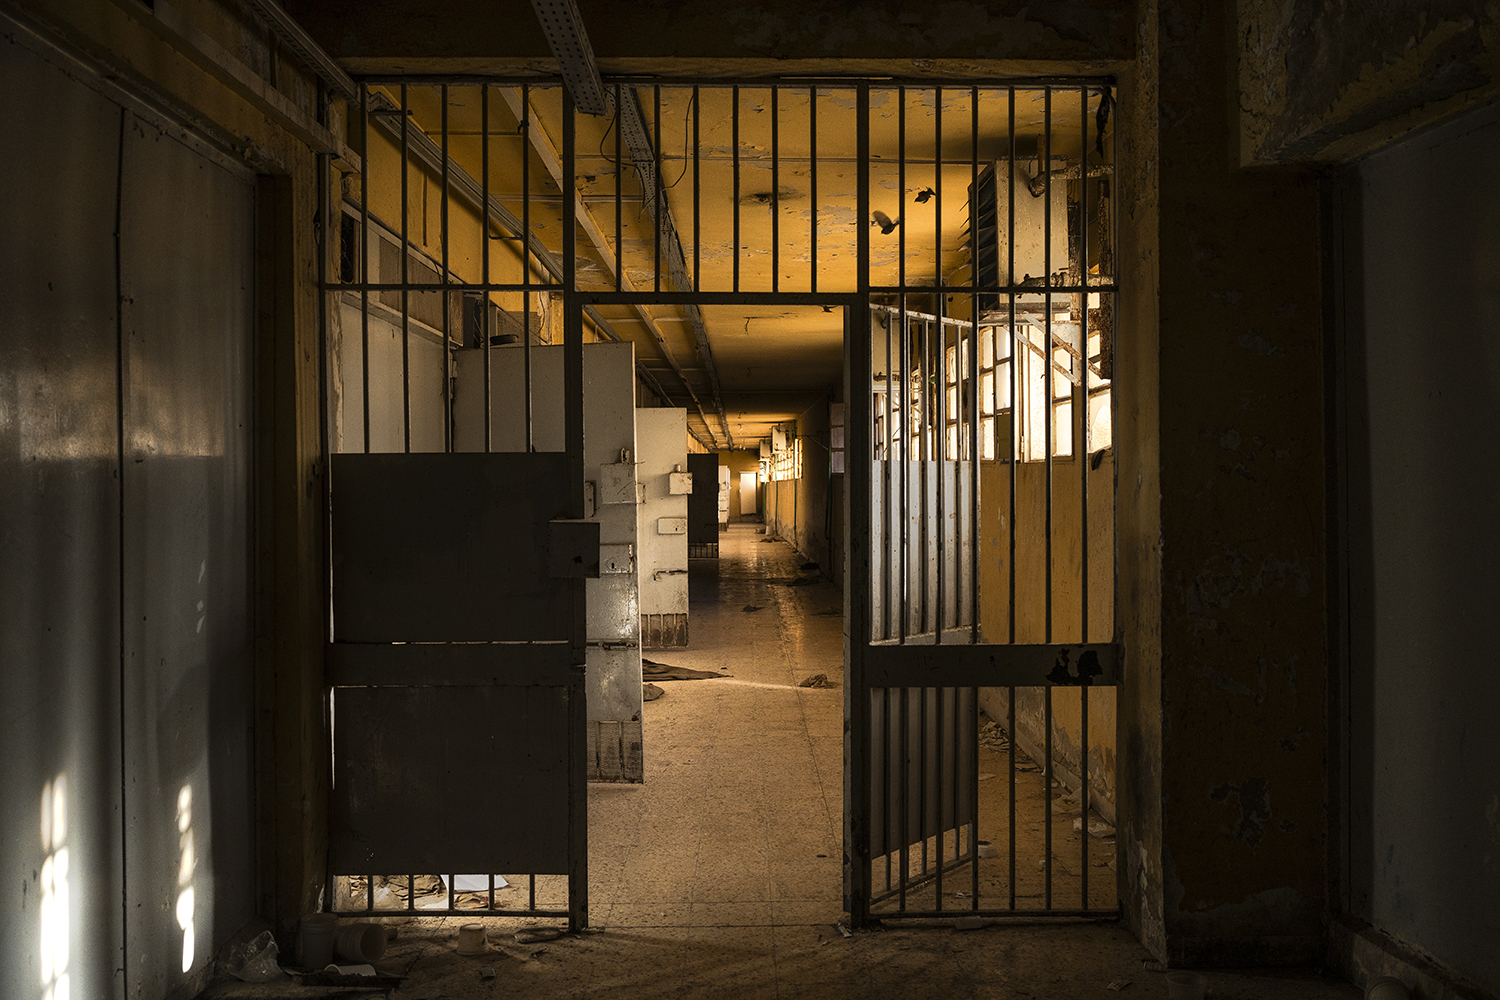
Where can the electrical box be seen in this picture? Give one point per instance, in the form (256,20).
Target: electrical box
(617,484)
(616,559)
(671,525)
(778,439)
(679,484)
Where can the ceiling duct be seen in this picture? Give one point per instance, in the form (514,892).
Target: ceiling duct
(563,26)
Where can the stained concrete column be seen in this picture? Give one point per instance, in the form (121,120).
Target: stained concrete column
(1220,449)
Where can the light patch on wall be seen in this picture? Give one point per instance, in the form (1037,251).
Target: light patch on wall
(186,863)
(54,906)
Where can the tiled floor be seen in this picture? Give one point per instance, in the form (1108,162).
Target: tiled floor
(720,876)
(739,822)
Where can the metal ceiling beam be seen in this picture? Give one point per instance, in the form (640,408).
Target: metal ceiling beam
(563,25)
(548,155)
(632,125)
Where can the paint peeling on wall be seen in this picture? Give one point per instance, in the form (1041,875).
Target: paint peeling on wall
(1330,81)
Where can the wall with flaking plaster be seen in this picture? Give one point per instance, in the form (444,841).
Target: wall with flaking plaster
(1421,245)
(1323,81)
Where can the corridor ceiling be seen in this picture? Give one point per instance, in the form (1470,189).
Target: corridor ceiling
(771,362)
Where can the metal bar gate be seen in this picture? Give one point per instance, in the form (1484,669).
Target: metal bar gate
(965,233)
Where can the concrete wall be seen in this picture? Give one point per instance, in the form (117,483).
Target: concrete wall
(1219,444)
(1067,623)
(808,512)
(163,500)
(1420,307)
(1330,81)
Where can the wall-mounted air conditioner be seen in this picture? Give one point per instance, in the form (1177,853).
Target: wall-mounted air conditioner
(991,220)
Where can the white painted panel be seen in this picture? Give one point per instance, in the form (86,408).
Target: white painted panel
(609,429)
(663,557)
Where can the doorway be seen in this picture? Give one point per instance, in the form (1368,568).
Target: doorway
(935,259)
(749,490)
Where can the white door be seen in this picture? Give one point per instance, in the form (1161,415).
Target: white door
(661,433)
(748,481)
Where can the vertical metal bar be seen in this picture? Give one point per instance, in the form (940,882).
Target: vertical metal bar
(937,188)
(697,202)
(941,361)
(812,176)
(1047,792)
(858,426)
(484,279)
(364,276)
(940,703)
(924,534)
(1049,410)
(976,451)
(887,782)
(973,855)
(776,194)
(903,507)
(1010,770)
(492,877)
(451,893)
(734,133)
(1015,411)
(922,773)
(578,855)
(411,892)
(1048,415)
(888,514)
(619,194)
(903,780)
(1081,455)
(1083,782)
(531,892)
(569,221)
(658,214)
(447,303)
(405,291)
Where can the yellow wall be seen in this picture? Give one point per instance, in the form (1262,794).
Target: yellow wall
(1030,619)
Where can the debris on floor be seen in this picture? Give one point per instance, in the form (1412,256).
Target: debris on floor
(653,671)
(844,930)
(970,923)
(753,607)
(1118,984)
(650,692)
(534,934)
(1097,827)
(816,681)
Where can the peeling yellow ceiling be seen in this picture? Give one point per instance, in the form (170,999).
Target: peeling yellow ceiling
(772,362)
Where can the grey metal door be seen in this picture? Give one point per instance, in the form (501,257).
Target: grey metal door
(457,681)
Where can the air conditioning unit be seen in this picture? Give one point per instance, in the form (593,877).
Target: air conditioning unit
(778,439)
(999,190)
